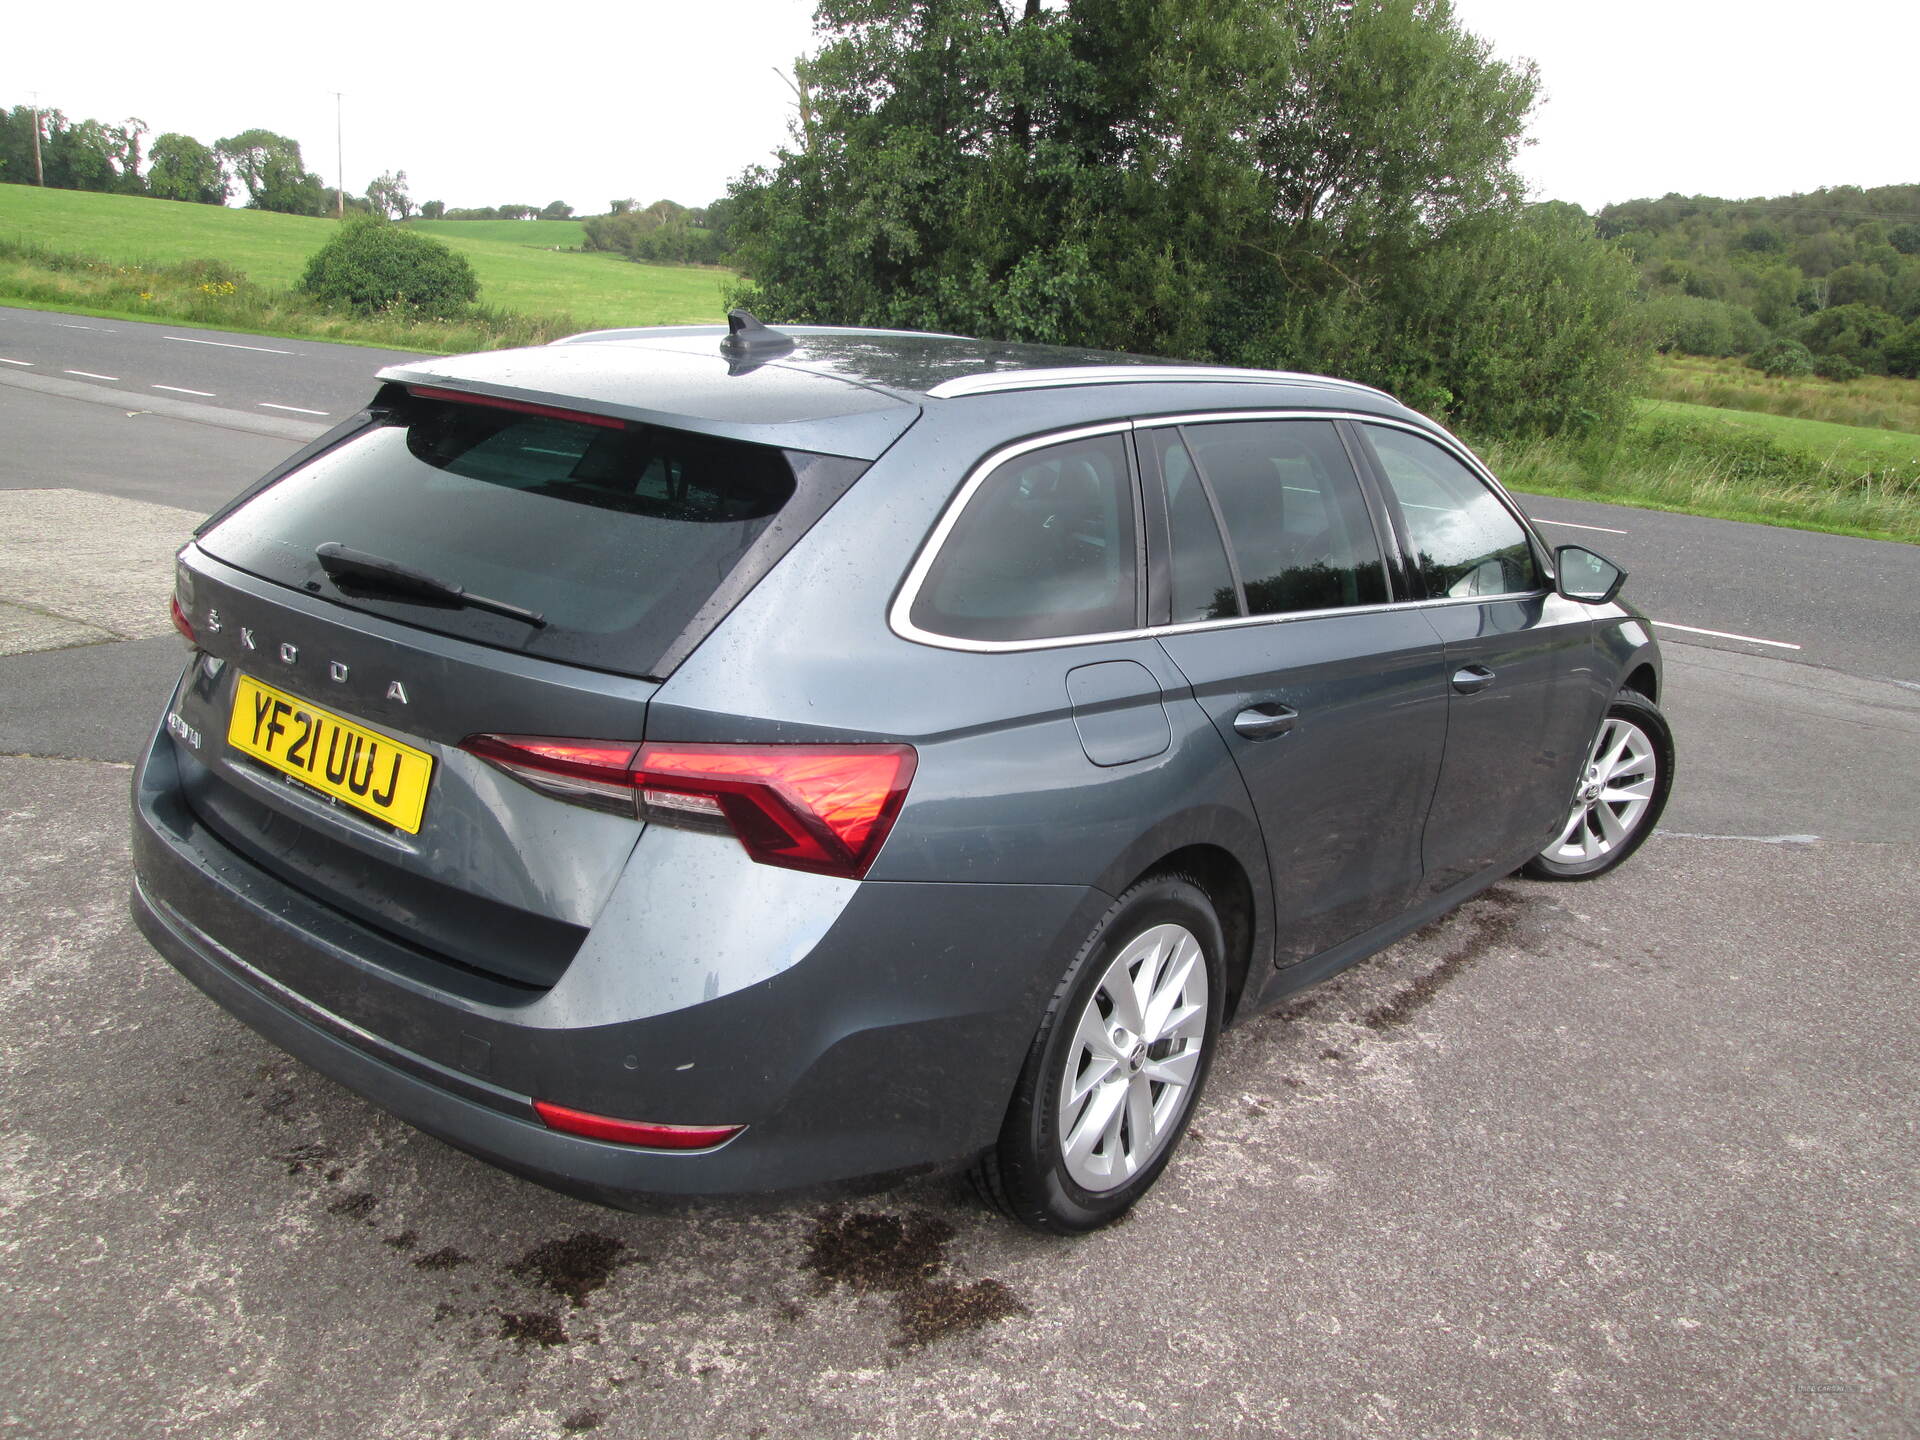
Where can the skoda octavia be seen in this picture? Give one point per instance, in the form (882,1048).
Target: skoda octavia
(721,760)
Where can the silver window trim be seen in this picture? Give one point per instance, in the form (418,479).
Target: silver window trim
(900,613)
(995,382)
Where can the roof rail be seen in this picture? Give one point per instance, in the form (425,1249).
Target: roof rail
(667,332)
(998,381)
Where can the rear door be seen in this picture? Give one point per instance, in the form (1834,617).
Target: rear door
(1517,659)
(1331,699)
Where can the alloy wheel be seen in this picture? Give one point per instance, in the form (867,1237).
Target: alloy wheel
(1130,1068)
(1617,786)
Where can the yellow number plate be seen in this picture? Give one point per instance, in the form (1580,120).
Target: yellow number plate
(372,772)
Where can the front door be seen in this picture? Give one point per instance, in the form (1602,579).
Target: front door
(1516,661)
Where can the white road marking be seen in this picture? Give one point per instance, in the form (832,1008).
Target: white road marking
(1755,839)
(226,345)
(88,374)
(296,409)
(182,390)
(1570,525)
(15,362)
(1727,635)
(107,329)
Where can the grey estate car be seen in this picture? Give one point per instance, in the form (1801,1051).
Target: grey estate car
(706,761)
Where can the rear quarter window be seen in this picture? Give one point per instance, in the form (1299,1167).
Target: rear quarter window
(616,534)
(1044,550)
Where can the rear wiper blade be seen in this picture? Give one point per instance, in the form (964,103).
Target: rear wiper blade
(360,570)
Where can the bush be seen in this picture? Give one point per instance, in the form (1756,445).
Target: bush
(1836,367)
(1703,327)
(375,265)
(1903,352)
(1855,331)
(1783,359)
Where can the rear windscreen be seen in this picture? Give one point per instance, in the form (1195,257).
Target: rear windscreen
(616,535)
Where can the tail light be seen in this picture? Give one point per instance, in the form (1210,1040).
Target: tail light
(824,808)
(181,623)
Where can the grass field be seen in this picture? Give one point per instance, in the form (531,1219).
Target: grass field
(1820,440)
(1735,464)
(1877,401)
(596,290)
(538,234)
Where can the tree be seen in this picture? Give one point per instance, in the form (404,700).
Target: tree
(1820,254)
(557,210)
(126,155)
(1856,331)
(665,233)
(372,264)
(1761,239)
(184,169)
(433,209)
(16,144)
(388,195)
(1858,284)
(79,156)
(275,177)
(1235,180)
(1703,327)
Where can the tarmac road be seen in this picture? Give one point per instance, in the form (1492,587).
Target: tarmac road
(305,379)
(1633,1158)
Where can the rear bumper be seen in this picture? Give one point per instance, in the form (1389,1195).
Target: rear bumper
(891,1047)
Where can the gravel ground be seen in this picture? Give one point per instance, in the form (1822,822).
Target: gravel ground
(1633,1158)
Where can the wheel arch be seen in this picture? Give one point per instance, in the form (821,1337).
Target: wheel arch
(1219,873)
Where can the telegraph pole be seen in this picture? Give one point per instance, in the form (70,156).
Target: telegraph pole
(39,178)
(339,163)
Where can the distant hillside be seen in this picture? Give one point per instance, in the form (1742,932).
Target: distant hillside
(1836,271)
(526,276)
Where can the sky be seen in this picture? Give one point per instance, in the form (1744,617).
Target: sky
(588,101)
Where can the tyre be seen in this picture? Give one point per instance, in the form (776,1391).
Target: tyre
(1623,788)
(1117,1066)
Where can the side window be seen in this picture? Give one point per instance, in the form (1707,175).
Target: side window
(1465,541)
(1294,514)
(1203,586)
(1045,548)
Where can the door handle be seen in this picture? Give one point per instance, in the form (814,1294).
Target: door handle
(1472,679)
(1263,722)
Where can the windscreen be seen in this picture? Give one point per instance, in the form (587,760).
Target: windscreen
(614,534)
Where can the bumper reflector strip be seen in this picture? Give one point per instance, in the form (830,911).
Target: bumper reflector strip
(634,1132)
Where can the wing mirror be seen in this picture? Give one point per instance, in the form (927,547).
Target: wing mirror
(1579,574)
